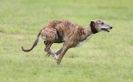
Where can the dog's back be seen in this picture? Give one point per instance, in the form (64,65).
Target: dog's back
(63,25)
(62,29)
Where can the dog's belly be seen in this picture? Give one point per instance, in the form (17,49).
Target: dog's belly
(59,40)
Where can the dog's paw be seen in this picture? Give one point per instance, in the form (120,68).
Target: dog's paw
(57,59)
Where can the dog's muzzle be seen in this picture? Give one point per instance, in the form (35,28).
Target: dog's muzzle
(106,29)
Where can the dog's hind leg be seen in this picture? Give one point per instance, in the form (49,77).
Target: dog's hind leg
(59,51)
(47,48)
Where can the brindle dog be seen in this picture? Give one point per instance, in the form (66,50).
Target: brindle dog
(68,33)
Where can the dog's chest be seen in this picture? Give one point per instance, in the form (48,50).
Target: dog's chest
(84,41)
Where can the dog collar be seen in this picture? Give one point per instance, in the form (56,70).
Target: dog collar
(94,30)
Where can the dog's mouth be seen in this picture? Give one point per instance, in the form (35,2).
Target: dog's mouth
(105,29)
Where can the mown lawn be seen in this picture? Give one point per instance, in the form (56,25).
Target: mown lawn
(106,57)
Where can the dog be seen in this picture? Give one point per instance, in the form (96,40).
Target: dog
(68,33)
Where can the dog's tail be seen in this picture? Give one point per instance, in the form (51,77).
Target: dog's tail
(34,44)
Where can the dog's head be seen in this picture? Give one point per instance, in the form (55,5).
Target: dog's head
(99,25)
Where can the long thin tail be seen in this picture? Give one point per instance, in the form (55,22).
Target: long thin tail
(34,44)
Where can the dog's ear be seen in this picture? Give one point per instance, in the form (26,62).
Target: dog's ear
(92,24)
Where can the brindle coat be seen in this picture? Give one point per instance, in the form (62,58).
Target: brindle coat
(68,33)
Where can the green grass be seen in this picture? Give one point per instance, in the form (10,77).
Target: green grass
(106,57)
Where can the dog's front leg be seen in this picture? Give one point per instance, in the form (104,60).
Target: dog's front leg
(61,54)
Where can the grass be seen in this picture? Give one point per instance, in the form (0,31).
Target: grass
(106,57)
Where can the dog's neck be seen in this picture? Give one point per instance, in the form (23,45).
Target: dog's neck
(86,33)
(89,30)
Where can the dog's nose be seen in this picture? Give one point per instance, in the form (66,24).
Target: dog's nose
(111,27)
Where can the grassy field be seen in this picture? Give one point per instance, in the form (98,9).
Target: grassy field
(106,57)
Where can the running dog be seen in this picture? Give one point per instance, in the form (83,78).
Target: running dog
(68,33)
